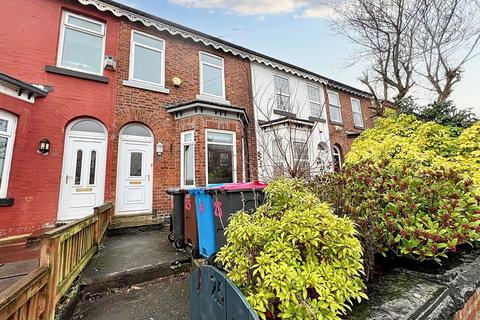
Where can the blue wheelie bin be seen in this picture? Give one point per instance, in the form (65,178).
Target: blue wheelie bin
(205,220)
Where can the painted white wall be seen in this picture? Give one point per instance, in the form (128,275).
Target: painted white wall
(264,105)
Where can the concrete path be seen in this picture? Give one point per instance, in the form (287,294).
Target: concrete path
(162,299)
(131,258)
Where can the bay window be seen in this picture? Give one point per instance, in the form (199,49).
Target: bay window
(82,44)
(221,156)
(187,159)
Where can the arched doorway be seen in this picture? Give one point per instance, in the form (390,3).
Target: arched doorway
(337,157)
(134,170)
(83,171)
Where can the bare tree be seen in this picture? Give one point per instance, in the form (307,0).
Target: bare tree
(404,39)
(448,39)
(385,30)
(287,145)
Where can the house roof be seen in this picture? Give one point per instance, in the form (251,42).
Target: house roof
(22,86)
(135,15)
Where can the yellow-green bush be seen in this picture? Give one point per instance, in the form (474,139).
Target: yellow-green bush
(293,258)
(403,140)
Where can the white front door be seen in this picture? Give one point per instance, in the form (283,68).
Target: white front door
(134,175)
(83,175)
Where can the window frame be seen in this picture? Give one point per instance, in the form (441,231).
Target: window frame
(339,107)
(64,25)
(336,151)
(234,146)
(182,157)
(214,66)
(310,101)
(289,95)
(362,125)
(10,135)
(131,69)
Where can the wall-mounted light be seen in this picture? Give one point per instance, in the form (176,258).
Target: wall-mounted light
(159,149)
(44,146)
(177,81)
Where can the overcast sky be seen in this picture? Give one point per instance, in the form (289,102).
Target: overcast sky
(296,31)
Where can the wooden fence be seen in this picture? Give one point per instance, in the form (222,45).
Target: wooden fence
(64,252)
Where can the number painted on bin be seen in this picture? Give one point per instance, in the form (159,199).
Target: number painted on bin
(188,203)
(218,209)
(202,207)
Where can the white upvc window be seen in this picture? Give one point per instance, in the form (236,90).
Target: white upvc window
(212,78)
(221,155)
(187,159)
(357,113)
(278,158)
(147,59)
(334,106)
(82,44)
(336,158)
(301,157)
(8,124)
(315,100)
(282,92)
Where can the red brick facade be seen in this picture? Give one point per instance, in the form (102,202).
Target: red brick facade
(28,42)
(338,131)
(148,107)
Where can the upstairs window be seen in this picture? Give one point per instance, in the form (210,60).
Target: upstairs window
(282,93)
(211,75)
(315,101)
(357,113)
(335,111)
(82,44)
(8,123)
(147,59)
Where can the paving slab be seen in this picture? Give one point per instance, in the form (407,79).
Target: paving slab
(162,299)
(131,258)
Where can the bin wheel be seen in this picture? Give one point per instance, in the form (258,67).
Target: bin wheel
(171,237)
(179,243)
(196,251)
(211,260)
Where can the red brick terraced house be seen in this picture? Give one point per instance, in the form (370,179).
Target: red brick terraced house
(102,102)
(57,100)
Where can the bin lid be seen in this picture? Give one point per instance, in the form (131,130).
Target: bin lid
(173,191)
(200,190)
(244,186)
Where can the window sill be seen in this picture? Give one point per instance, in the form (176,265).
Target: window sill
(212,99)
(284,113)
(6,202)
(145,86)
(317,119)
(359,127)
(76,74)
(336,123)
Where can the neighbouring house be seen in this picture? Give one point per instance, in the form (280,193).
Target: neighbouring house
(350,111)
(57,99)
(103,102)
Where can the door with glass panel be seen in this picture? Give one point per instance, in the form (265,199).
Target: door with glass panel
(83,175)
(134,171)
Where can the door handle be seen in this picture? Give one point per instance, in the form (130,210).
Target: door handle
(66,179)
(148,177)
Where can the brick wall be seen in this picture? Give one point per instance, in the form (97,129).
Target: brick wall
(471,310)
(147,107)
(338,132)
(28,41)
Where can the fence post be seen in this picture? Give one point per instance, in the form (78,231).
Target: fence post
(50,258)
(97,227)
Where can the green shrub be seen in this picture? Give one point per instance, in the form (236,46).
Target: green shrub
(293,258)
(411,211)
